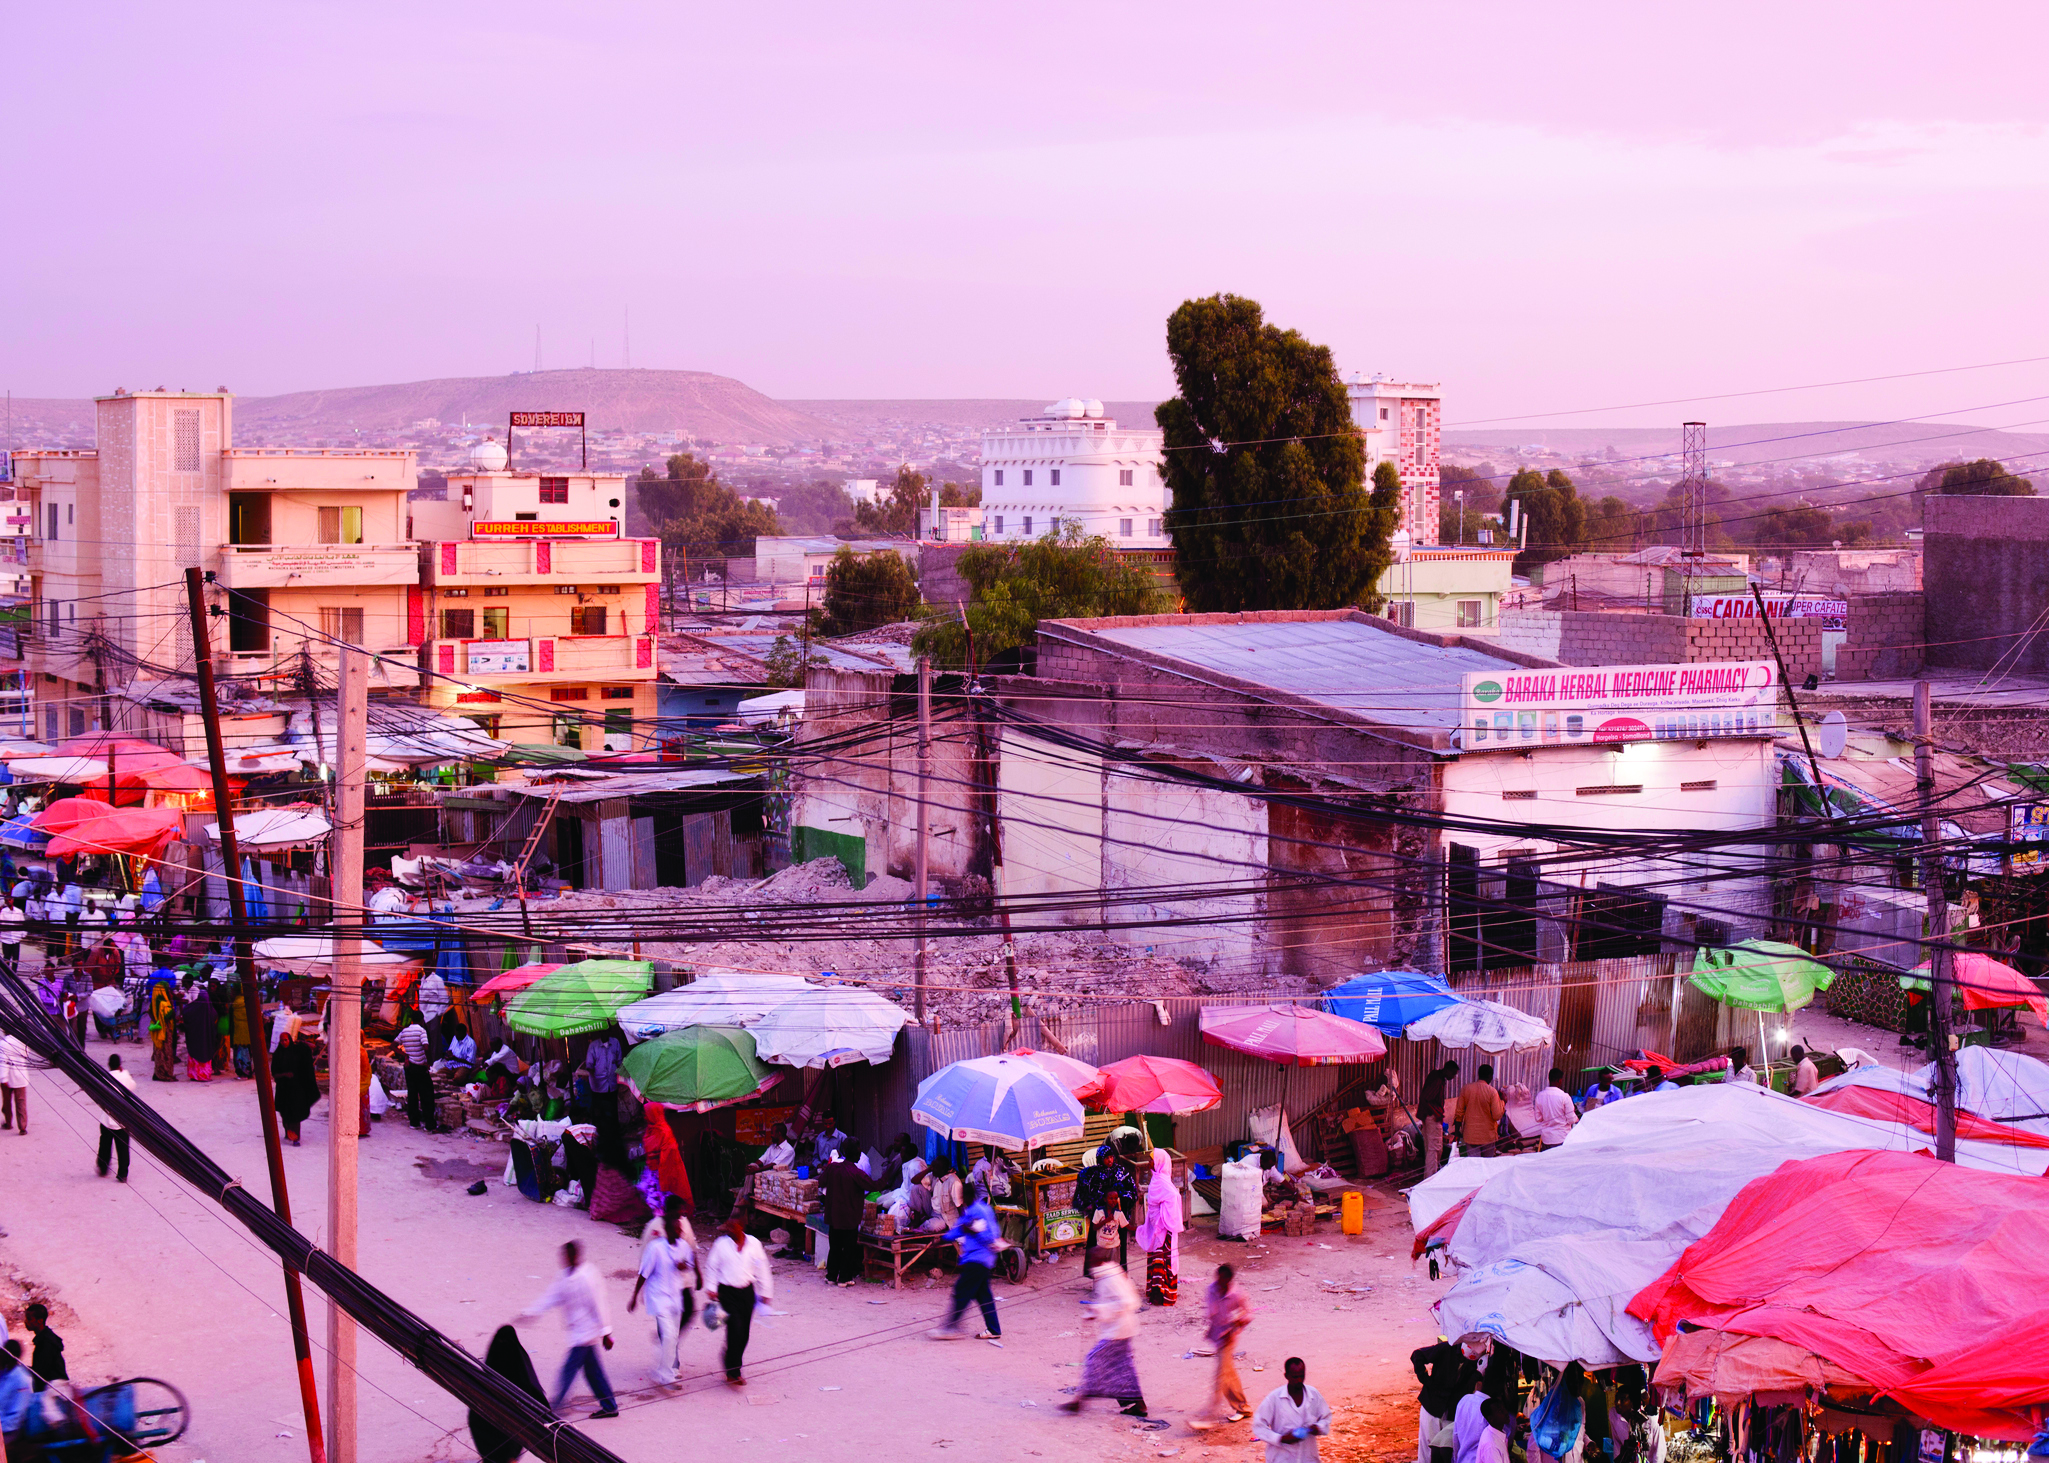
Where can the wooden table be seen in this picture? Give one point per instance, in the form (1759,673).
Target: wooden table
(801,1221)
(904,1250)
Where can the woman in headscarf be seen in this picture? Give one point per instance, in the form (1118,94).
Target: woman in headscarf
(508,1358)
(665,1158)
(1159,1233)
(163,1032)
(202,1033)
(297,1089)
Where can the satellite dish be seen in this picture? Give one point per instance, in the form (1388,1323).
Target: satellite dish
(1831,735)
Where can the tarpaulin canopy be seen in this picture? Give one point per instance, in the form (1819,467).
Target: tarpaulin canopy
(830,1026)
(1986,984)
(58,769)
(719,998)
(1760,975)
(1491,1026)
(142,832)
(67,813)
(1388,1000)
(1919,1111)
(1294,1035)
(1998,1087)
(1888,1265)
(516,979)
(1734,1368)
(269,829)
(316,955)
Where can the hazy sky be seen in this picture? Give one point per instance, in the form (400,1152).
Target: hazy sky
(1545,207)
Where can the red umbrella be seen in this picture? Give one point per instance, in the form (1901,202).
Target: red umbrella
(516,979)
(1297,1035)
(1083,1082)
(142,831)
(1158,1084)
(1992,985)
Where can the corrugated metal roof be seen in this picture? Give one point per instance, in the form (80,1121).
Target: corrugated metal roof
(1347,665)
(579,786)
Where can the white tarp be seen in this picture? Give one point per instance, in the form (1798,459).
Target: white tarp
(1429,1200)
(724,998)
(2004,1086)
(1562,1300)
(830,1026)
(274,828)
(1492,1026)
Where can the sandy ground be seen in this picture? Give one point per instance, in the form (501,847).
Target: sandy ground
(150,1279)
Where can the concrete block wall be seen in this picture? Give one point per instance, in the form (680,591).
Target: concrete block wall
(1986,575)
(1592,637)
(1886,636)
(1799,643)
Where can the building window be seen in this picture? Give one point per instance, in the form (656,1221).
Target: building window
(341,525)
(1124,527)
(1028,477)
(602,589)
(568,731)
(1403,613)
(458,624)
(249,621)
(619,693)
(77,717)
(1469,614)
(495,617)
(999,477)
(1152,528)
(999,523)
(344,624)
(1383,413)
(488,725)
(526,518)
(185,526)
(554,490)
(1054,477)
(185,441)
(1028,521)
(52,534)
(618,731)
(496,593)
(587,620)
(70,514)
(1124,477)
(569,693)
(49,723)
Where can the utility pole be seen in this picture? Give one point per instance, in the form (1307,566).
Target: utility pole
(924,820)
(252,1000)
(1938,930)
(345,1034)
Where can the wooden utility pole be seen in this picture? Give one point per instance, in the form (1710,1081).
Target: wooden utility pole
(345,1035)
(252,1000)
(1938,931)
(924,821)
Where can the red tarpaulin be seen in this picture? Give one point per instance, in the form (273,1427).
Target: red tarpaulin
(139,831)
(68,813)
(1900,1107)
(1894,1267)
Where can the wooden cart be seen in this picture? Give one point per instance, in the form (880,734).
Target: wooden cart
(903,1250)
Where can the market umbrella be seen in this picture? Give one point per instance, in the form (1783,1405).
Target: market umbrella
(1388,1000)
(59,769)
(516,979)
(20,832)
(1296,1036)
(1005,1100)
(1761,976)
(727,998)
(1158,1084)
(579,998)
(1489,1025)
(314,955)
(1987,984)
(829,1026)
(1083,1082)
(137,831)
(699,1067)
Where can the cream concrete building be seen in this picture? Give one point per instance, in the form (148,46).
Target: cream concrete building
(1073,464)
(539,618)
(306,547)
(1434,588)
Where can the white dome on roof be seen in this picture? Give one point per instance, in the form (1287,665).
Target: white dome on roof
(488,456)
(1068,406)
(1092,408)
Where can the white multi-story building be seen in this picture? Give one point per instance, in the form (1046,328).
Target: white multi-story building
(1073,464)
(1402,422)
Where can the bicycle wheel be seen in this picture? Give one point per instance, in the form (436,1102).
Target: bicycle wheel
(142,1411)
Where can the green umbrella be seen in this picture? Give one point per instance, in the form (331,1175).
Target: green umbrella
(1761,975)
(697,1064)
(579,998)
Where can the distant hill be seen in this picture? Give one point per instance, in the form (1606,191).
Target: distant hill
(1772,441)
(964,414)
(711,408)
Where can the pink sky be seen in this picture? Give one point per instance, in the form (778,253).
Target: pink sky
(1545,207)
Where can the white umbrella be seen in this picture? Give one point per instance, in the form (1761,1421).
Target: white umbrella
(315,954)
(273,828)
(59,769)
(730,998)
(829,1026)
(1488,1025)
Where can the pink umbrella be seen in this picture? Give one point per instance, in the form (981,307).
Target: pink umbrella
(1158,1084)
(1083,1082)
(1991,985)
(506,982)
(1297,1035)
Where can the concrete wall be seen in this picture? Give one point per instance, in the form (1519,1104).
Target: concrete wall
(1594,637)
(1986,573)
(1842,571)
(1886,633)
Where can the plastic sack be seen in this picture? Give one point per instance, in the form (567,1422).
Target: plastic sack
(570,1197)
(1244,1191)
(714,1315)
(1269,1125)
(380,1100)
(1555,1428)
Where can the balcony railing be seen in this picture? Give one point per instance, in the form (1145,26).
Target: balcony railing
(276,566)
(546,658)
(543,561)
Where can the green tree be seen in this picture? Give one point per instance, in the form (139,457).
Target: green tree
(1611,526)
(1482,501)
(1556,512)
(1983,478)
(785,663)
(1014,586)
(813,507)
(696,514)
(866,591)
(1269,509)
(896,512)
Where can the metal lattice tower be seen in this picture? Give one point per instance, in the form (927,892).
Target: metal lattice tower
(1693,461)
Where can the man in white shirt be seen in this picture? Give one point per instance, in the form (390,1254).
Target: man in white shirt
(1292,1417)
(737,1268)
(781,1153)
(580,1295)
(1555,1115)
(1739,1065)
(413,1044)
(12,923)
(114,1136)
(1805,1077)
(664,1261)
(14,1084)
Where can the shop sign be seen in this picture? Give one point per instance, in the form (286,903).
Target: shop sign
(530,528)
(1833,613)
(1582,706)
(2028,823)
(506,660)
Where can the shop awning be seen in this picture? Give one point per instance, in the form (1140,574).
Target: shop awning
(271,830)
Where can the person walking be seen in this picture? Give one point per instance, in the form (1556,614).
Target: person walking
(1109,1369)
(1292,1417)
(202,1033)
(14,1084)
(1430,1114)
(1479,1114)
(1228,1314)
(413,1045)
(738,1268)
(114,1136)
(845,1184)
(580,1295)
(1555,1114)
(976,1232)
(664,1261)
(295,1086)
(508,1359)
(1159,1233)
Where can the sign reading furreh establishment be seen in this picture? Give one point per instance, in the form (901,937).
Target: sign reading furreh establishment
(1619,704)
(531,528)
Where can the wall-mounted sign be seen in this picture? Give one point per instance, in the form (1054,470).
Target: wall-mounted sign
(530,528)
(1619,704)
(1833,613)
(503,660)
(2029,825)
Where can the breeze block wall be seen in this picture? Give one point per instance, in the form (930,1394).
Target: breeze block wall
(1887,633)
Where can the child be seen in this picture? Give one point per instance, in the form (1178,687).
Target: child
(46,1357)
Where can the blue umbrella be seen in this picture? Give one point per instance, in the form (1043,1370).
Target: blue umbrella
(1006,1101)
(16,833)
(1390,999)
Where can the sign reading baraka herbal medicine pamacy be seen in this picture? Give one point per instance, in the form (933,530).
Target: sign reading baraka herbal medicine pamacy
(1620,704)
